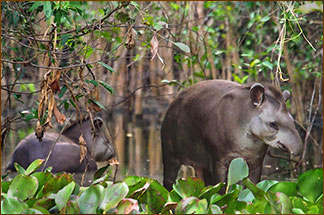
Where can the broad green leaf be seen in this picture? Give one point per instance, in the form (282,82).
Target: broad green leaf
(246,196)
(48,9)
(154,197)
(90,199)
(19,169)
(234,206)
(237,171)
(283,203)
(182,46)
(43,178)
(5,186)
(297,211)
(35,165)
(71,207)
(309,7)
(31,211)
(192,205)
(107,86)
(286,187)
(299,203)
(265,185)
(127,206)
(44,203)
(107,66)
(56,183)
(267,64)
(215,209)
(113,195)
(188,187)
(23,187)
(12,206)
(310,184)
(64,194)
(207,192)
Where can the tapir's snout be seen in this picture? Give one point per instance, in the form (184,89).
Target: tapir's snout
(293,144)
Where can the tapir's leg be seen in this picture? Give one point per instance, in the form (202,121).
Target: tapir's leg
(255,175)
(170,171)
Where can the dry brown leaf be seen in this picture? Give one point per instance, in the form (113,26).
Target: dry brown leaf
(55,81)
(95,96)
(60,117)
(83,148)
(154,46)
(39,132)
(113,162)
(130,41)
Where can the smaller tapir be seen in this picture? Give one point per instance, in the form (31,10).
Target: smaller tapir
(66,153)
(212,122)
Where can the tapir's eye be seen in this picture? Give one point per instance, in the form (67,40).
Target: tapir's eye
(274,125)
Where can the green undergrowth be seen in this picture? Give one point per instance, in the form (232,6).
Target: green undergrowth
(44,192)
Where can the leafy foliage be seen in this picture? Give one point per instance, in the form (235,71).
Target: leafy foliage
(43,192)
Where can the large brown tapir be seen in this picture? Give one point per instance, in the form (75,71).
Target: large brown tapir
(66,153)
(215,121)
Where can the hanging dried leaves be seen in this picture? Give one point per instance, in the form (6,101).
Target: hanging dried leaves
(130,39)
(49,86)
(83,148)
(154,46)
(154,50)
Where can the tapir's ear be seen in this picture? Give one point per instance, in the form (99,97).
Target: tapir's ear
(98,122)
(286,95)
(257,94)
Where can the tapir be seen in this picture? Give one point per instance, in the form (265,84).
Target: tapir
(66,153)
(214,121)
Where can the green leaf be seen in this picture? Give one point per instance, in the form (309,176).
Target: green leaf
(192,205)
(283,203)
(265,185)
(154,197)
(310,184)
(127,206)
(188,187)
(94,82)
(48,9)
(71,207)
(309,7)
(36,5)
(246,196)
(97,103)
(90,199)
(107,86)
(63,90)
(237,171)
(34,166)
(208,192)
(5,186)
(64,194)
(265,19)
(215,209)
(297,211)
(182,46)
(12,206)
(23,187)
(267,64)
(286,187)
(65,38)
(113,195)
(56,183)
(107,66)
